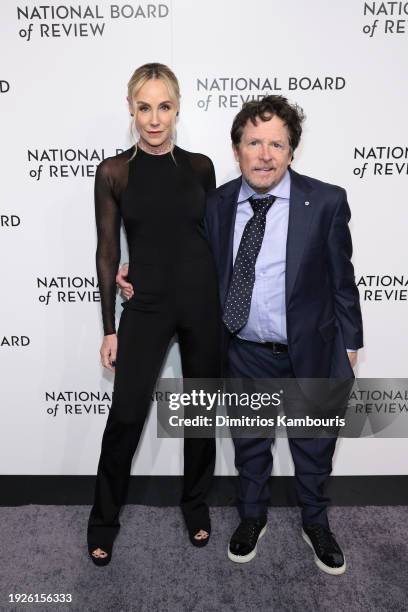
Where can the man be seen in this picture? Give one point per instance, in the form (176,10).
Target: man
(291,308)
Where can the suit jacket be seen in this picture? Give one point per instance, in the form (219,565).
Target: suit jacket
(322,301)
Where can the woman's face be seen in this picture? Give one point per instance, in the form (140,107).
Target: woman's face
(154,112)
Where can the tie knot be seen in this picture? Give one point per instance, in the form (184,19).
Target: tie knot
(261,205)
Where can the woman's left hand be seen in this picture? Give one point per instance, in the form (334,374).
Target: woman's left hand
(121,281)
(108,351)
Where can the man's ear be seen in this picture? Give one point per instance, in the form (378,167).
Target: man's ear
(235,151)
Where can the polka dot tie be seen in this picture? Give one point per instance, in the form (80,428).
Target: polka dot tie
(238,302)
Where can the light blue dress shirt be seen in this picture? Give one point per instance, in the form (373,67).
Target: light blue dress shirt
(267,315)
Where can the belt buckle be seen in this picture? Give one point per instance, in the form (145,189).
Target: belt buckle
(277,351)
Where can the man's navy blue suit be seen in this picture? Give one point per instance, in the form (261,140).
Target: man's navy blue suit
(323,319)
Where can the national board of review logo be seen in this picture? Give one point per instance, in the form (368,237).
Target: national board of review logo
(12,341)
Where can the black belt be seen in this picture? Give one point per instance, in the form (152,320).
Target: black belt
(275,347)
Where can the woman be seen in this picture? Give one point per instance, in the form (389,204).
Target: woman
(159,191)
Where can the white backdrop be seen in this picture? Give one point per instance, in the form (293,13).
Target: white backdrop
(63,79)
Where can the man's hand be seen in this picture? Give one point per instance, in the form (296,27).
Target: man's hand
(352,355)
(108,351)
(126,288)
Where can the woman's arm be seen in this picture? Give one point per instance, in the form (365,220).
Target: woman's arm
(107,217)
(210,176)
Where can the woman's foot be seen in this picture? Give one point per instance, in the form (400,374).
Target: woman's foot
(98,553)
(100,556)
(198,524)
(201,535)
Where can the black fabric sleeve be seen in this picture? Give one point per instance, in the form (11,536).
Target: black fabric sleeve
(204,169)
(108,221)
(210,181)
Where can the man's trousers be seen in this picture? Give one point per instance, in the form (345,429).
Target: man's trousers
(312,457)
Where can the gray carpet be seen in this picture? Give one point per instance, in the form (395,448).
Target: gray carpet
(155,568)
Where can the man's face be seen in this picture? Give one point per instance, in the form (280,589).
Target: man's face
(264,153)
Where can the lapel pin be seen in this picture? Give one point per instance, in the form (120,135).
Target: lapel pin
(307,203)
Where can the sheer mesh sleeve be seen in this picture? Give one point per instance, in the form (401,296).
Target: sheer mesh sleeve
(108,221)
(204,168)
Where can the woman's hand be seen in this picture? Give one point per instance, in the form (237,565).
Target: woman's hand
(108,351)
(352,355)
(121,281)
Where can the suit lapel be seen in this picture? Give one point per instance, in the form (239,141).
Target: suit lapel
(227,214)
(301,211)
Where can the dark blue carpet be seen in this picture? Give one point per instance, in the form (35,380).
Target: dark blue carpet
(155,568)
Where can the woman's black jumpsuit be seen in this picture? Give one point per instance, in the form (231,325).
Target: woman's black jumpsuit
(161,199)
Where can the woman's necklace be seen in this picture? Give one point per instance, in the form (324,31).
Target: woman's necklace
(161,149)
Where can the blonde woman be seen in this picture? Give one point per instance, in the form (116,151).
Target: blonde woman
(159,191)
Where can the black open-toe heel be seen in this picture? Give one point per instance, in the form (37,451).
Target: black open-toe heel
(100,561)
(204,541)
(195,520)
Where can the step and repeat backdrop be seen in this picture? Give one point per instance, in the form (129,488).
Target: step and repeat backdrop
(63,75)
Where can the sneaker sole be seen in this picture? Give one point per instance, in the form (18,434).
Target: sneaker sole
(333,571)
(249,556)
